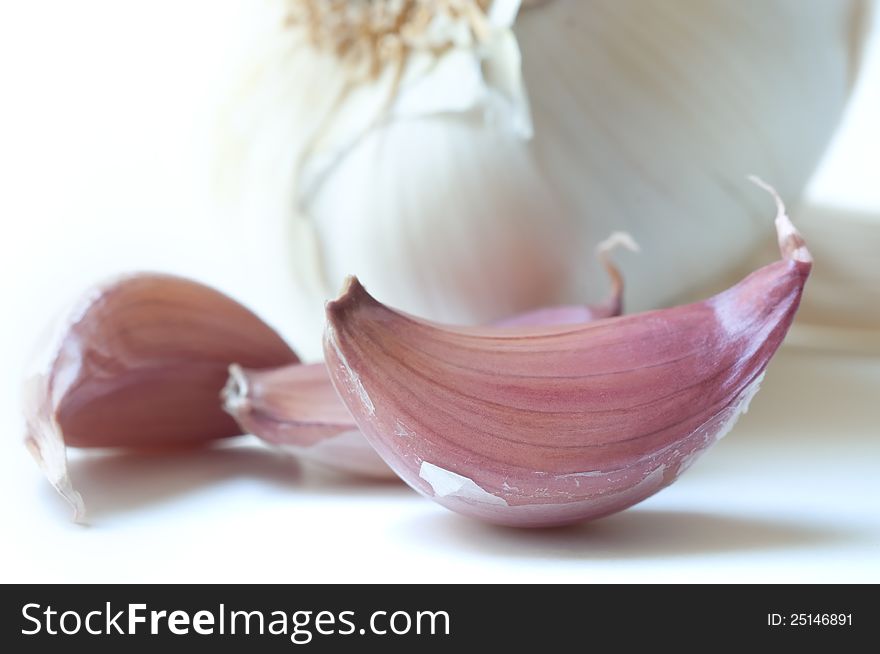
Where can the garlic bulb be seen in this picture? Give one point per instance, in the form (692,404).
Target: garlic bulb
(437,148)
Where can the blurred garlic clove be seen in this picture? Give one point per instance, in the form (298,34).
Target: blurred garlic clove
(542,426)
(577,313)
(140,363)
(496,226)
(648,114)
(462,168)
(297,407)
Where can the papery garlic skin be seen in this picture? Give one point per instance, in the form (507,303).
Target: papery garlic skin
(139,363)
(444,254)
(325,132)
(580,313)
(542,426)
(508,151)
(676,101)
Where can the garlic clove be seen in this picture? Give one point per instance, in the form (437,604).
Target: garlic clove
(568,314)
(140,362)
(539,426)
(497,227)
(297,407)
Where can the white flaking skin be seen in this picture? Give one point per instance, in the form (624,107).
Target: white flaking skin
(446,483)
(740,407)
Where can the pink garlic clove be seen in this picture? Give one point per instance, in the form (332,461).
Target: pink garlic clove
(570,314)
(140,363)
(542,426)
(296,406)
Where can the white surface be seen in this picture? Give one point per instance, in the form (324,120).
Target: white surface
(103,170)
(790,495)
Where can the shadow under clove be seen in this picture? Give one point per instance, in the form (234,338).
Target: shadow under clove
(117,483)
(123,482)
(633,534)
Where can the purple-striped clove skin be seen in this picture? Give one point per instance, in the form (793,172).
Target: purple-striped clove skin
(140,363)
(296,406)
(541,426)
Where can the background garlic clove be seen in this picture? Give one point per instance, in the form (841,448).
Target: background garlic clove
(580,313)
(438,214)
(296,408)
(647,115)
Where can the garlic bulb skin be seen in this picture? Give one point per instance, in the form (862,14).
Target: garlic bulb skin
(416,177)
(647,116)
(494,226)
(510,151)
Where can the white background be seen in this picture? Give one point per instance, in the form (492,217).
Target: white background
(103,169)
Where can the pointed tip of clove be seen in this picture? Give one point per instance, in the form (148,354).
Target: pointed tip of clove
(79,517)
(53,462)
(45,442)
(617,240)
(349,285)
(351,293)
(613,306)
(792,245)
(236,392)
